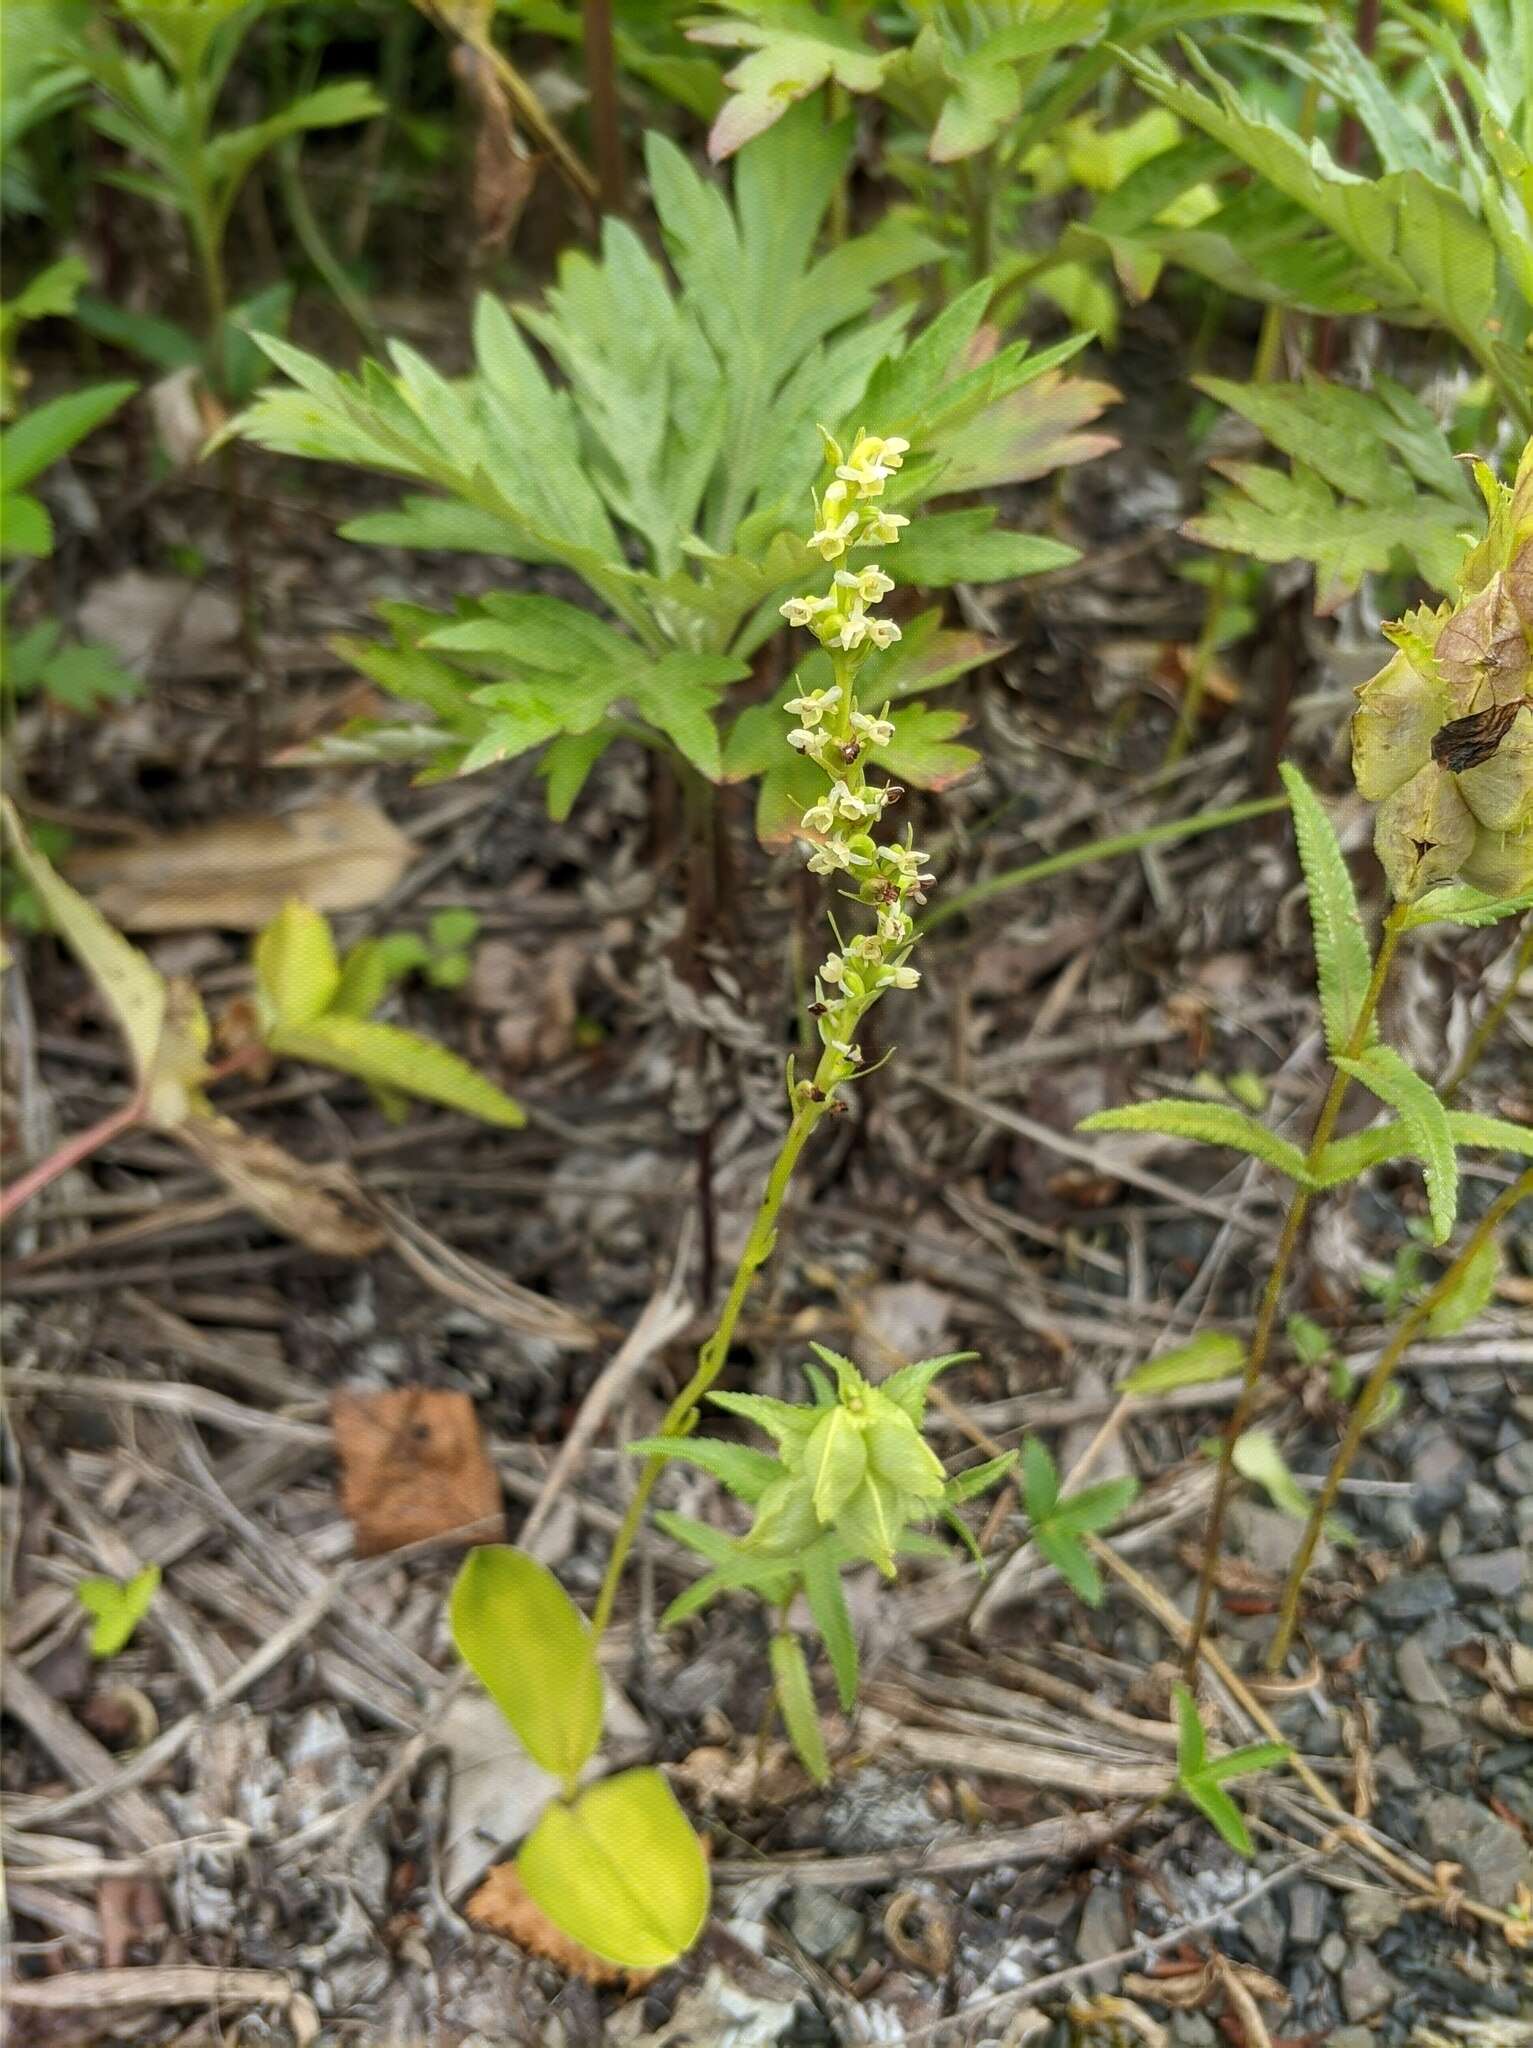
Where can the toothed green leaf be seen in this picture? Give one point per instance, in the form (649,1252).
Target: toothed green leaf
(1211,1356)
(795,1699)
(827,1603)
(745,1472)
(1382,1070)
(1206,1123)
(1342,958)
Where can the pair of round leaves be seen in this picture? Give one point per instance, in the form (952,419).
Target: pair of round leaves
(616,1866)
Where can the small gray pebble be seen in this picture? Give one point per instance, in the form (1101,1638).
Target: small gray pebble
(1306,1913)
(1498,1574)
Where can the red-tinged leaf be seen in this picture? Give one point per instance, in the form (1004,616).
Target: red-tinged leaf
(1029,433)
(923,752)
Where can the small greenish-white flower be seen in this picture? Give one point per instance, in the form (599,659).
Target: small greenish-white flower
(838,522)
(867,946)
(820,817)
(876,732)
(881,529)
(855,627)
(803,741)
(833,970)
(802,611)
(883,632)
(870,584)
(811,708)
(904,863)
(873,460)
(903,977)
(832,857)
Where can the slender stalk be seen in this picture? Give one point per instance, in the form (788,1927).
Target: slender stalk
(601,83)
(711,1358)
(1202,661)
(1490,1023)
(69,1154)
(1266,1315)
(1099,849)
(1366,1405)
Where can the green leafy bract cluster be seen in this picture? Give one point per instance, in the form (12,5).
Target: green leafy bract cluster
(1442,740)
(666,465)
(852,1480)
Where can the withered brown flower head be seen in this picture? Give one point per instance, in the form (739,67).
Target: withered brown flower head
(1442,739)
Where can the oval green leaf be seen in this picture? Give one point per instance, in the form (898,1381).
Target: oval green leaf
(296,968)
(531,1649)
(1212,1356)
(620,1870)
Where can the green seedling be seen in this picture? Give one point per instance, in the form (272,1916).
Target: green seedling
(117,1607)
(1201,1778)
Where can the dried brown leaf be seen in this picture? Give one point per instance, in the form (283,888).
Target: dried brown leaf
(322,1206)
(504,174)
(502,1905)
(336,855)
(414,1468)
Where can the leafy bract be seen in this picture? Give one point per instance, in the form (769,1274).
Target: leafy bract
(1343,962)
(1212,1356)
(1425,1122)
(795,1700)
(1204,1123)
(621,1870)
(531,1649)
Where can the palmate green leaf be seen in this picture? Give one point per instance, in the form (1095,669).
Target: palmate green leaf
(620,1870)
(745,1472)
(924,751)
(1471,1294)
(821,1569)
(1217,1807)
(967,547)
(390,1058)
(1212,1356)
(1386,1074)
(1204,1123)
(118,1606)
(531,1648)
(298,975)
(1343,961)
(1200,1778)
(795,1700)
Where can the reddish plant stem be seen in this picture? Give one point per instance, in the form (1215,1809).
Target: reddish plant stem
(601,83)
(69,1154)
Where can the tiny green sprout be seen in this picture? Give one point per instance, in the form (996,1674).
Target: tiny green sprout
(852,1481)
(119,1605)
(1059,1526)
(1201,1778)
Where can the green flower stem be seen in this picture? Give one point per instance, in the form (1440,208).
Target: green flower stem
(1365,1407)
(1490,1023)
(711,1358)
(1266,1315)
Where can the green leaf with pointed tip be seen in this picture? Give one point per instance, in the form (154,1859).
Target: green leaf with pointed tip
(1470,1295)
(1205,1123)
(979,1478)
(821,1387)
(531,1649)
(960,1529)
(827,1603)
(620,1870)
(390,1058)
(848,1378)
(1461,903)
(37,440)
(898,1452)
(118,1605)
(1256,1756)
(1490,1133)
(1192,1743)
(1382,1070)
(784,1423)
(795,1699)
(1040,1480)
(1217,1807)
(296,969)
(1343,962)
(871,1522)
(909,1386)
(1212,1356)
(1069,1558)
(745,1472)
(1094,1507)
